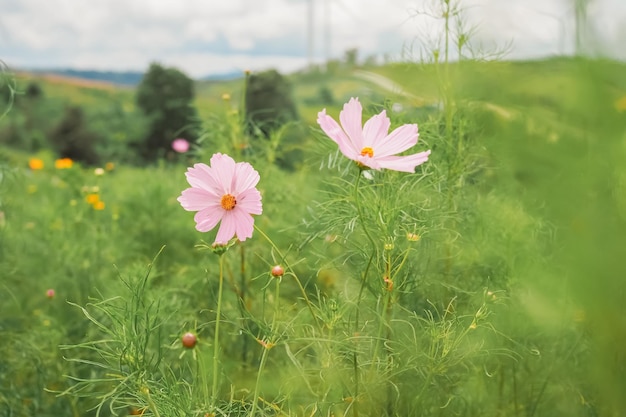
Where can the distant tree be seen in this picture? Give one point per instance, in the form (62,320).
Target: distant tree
(325,96)
(33,90)
(269,102)
(351,57)
(371,61)
(72,139)
(165,96)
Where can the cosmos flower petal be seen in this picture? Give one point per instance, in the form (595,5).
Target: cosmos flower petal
(336,133)
(404,163)
(223,167)
(196,199)
(350,118)
(245,178)
(202,176)
(399,140)
(207,219)
(244,224)
(227,228)
(250,201)
(368,162)
(375,129)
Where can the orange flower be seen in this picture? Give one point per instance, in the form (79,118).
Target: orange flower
(35,164)
(109,166)
(92,198)
(63,163)
(98,205)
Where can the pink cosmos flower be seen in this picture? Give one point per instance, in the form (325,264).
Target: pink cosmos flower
(180,145)
(371,146)
(224,191)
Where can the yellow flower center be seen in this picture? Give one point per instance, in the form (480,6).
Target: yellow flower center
(228,202)
(367,151)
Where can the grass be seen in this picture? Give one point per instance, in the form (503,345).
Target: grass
(487,283)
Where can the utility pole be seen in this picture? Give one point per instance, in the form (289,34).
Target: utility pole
(580,21)
(310,33)
(327,25)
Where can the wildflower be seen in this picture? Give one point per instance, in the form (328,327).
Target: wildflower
(50,293)
(180,145)
(35,164)
(98,172)
(224,191)
(63,163)
(92,198)
(226,97)
(371,146)
(109,166)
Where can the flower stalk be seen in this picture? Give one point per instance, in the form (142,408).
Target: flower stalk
(216,337)
(266,347)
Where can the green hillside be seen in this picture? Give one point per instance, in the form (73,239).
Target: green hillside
(486,279)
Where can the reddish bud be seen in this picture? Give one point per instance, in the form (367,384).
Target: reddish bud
(189,340)
(50,293)
(278,271)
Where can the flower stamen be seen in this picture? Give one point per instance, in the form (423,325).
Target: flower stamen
(367,151)
(228,202)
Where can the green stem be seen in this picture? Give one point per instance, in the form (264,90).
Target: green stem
(216,339)
(201,375)
(381,326)
(357,202)
(386,309)
(302,290)
(429,378)
(355,356)
(242,304)
(151,405)
(266,349)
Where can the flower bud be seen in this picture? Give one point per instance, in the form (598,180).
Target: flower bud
(189,340)
(278,271)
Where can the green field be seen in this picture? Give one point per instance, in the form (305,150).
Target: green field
(490,282)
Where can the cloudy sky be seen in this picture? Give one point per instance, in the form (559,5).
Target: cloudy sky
(203,37)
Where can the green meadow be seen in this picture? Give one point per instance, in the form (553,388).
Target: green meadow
(490,282)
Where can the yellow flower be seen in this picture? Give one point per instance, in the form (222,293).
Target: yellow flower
(63,163)
(98,205)
(225,96)
(35,164)
(109,166)
(92,198)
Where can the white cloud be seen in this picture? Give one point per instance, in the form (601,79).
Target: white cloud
(212,36)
